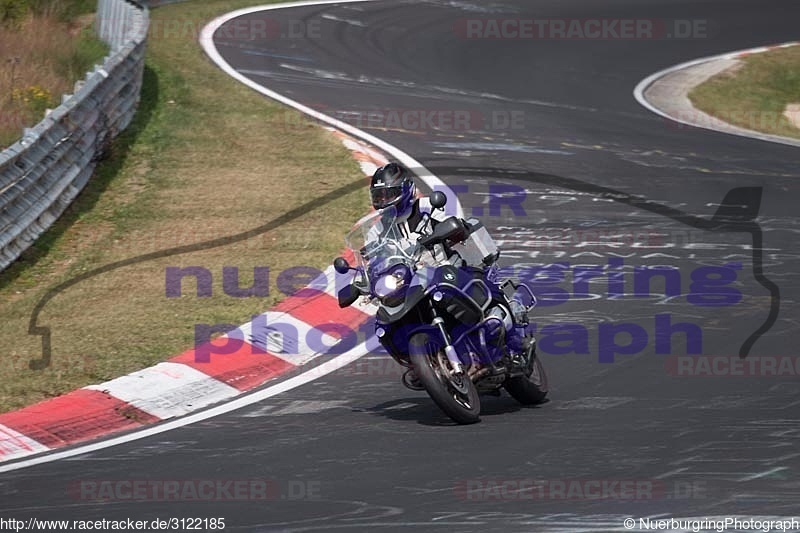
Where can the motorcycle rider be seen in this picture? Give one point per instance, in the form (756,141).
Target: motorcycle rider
(393,185)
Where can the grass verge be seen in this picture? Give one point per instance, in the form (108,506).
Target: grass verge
(755,95)
(204,158)
(44,50)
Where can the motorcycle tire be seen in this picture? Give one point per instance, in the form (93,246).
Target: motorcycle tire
(458,398)
(531,389)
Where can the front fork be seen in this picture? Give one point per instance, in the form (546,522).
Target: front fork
(449,349)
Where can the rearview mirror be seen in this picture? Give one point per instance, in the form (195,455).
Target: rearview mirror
(347,296)
(438,199)
(341,265)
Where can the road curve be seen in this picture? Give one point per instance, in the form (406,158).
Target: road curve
(596,169)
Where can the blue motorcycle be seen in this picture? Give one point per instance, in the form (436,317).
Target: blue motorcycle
(441,312)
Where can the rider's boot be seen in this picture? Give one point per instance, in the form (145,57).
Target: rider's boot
(411,381)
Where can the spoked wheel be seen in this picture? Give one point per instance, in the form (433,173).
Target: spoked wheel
(531,388)
(455,395)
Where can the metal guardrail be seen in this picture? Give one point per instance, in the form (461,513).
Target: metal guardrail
(43,172)
(158,3)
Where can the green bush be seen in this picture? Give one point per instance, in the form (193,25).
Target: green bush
(89,50)
(65,9)
(13,11)
(35,98)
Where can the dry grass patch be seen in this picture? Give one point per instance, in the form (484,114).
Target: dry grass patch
(42,58)
(205,158)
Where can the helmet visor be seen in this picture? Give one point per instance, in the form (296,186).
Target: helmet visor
(385,196)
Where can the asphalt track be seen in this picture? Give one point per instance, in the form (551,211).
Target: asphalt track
(590,159)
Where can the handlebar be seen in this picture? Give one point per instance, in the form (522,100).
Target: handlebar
(452,228)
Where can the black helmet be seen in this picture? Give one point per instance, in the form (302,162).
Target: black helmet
(392,185)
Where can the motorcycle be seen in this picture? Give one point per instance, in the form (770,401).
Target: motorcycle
(445,321)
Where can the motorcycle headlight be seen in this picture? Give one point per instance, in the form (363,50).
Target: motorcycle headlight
(391,283)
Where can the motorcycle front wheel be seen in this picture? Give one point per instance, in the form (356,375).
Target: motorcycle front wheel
(457,395)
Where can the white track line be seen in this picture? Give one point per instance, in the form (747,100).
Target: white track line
(643,85)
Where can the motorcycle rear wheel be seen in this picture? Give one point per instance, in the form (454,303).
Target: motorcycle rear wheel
(532,388)
(456,396)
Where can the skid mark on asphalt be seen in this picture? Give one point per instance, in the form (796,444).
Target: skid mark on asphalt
(594,402)
(741,461)
(470,7)
(295,407)
(713,403)
(494,147)
(423,91)
(351,22)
